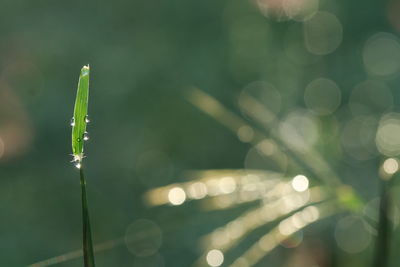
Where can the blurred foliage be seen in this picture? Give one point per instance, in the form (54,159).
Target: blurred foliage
(329,78)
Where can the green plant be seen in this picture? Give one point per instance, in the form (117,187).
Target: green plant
(79,136)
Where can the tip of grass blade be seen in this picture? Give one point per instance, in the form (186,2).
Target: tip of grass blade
(85,70)
(80,114)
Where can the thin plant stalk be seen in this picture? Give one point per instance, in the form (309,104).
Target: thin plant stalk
(382,244)
(88,255)
(79,136)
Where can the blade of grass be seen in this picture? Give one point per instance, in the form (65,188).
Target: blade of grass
(312,165)
(382,243)
(79,122)
(76,254)
(88,255)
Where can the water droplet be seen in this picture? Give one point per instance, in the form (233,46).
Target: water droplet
(78,139)
(87,120)
(78,165)
(86,136)
(72,123)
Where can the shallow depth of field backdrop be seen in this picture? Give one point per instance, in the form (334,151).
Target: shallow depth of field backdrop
(201,114)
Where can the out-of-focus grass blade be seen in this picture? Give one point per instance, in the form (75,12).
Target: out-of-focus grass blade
(79,120)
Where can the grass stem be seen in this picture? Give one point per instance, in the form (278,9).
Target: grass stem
(88,255)
(382,244)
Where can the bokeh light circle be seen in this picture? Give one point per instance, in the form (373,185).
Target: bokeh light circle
(358,137)
(197,190)
(381,54)
(299,130)
(215,258)
(370,97)
(390,166)
(322,96)
(323,33)
(387,136)
(176,196)
(245,134)
(300,183)
(371,209)
(351,234)
(143,238)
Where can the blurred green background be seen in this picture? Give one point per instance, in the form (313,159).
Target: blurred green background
(327,71)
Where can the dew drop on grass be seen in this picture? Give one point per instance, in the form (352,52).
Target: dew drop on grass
(86,136)
(72,123)
(78,139)
(77,165)
(87,120)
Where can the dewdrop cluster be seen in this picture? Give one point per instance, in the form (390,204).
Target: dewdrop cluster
(77,159)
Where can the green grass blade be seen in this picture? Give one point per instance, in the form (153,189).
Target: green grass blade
(79,120)
(88,255)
